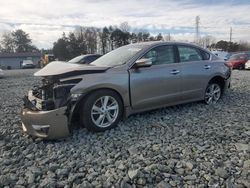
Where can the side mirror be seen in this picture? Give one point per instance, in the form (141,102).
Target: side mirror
(143,63)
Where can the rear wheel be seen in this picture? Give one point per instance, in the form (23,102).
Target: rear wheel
(213,93)
(102,110)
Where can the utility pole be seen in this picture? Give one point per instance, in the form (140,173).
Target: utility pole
(197,28)
(231,34)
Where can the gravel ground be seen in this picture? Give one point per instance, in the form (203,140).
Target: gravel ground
(191,145)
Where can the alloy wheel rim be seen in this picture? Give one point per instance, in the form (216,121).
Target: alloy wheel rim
(213,94)
(104,111)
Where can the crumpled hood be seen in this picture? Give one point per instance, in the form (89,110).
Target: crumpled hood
(64,69)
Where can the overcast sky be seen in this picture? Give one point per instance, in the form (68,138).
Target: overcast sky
(46,20)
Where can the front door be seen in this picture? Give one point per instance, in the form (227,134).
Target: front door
(158,85)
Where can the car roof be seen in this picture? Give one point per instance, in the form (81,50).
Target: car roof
(161,42)
(156,43)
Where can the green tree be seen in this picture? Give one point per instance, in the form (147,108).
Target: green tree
(60,48)
(223,45)
(73,46)
(233,47)
(17,41)
(145,36)
(22,41)
(227,46)
(151,38)
(125,37)
(120,38)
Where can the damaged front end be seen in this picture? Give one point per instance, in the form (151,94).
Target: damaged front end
(47,109)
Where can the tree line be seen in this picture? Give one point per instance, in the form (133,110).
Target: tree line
(231,46)
(89,40)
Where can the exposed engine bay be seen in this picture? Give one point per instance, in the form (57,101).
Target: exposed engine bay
(50,107)
(50,95)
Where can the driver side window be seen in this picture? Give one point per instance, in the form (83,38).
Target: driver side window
(161,55)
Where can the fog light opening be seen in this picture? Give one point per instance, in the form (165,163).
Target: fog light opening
(41,128)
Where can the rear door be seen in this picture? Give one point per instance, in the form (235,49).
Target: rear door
(196,71)
(158,85)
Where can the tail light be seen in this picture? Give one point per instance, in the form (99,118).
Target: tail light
(228,64)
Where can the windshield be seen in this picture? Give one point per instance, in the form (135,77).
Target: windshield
(117,57)
(76,59)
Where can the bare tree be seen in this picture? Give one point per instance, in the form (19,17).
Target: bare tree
(88,36)
(8,44)
(206,41)
(124,26)
(104,37)
(244,46)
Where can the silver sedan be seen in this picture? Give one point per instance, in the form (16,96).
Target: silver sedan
(128,80)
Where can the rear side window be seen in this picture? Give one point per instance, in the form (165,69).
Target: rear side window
(188,54)
(161,55)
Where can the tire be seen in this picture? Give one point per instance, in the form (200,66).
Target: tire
(213,93)
(241,67)
(102,110)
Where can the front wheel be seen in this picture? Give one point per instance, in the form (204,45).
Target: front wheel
(102,110)
(213,93)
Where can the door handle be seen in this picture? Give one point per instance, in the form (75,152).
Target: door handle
(175,72)
(207,67)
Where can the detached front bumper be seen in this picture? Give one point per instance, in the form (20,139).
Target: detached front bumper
(51,124)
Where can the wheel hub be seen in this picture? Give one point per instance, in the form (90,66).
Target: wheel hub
(213,93)
(104,111)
